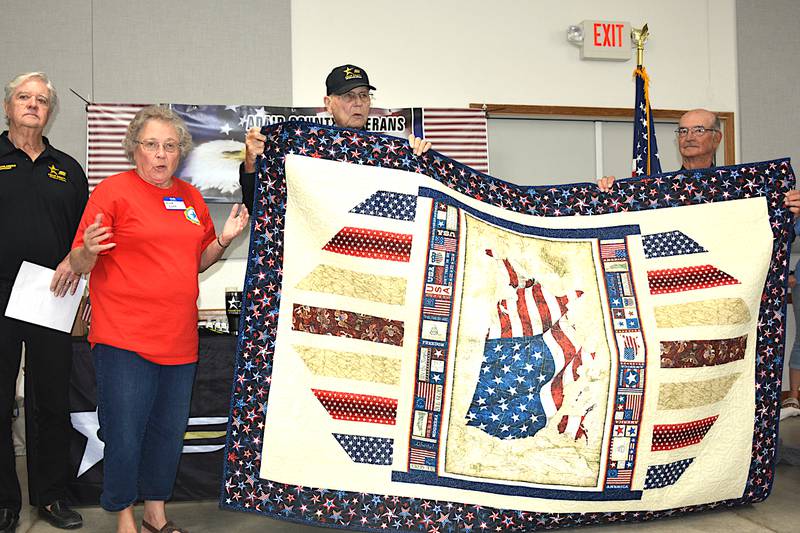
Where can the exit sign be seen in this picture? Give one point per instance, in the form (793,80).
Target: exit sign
(604,39)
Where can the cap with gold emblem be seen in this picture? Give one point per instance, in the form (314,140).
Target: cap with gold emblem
(345,78)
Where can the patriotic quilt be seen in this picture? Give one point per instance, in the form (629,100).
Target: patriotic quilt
(426,347)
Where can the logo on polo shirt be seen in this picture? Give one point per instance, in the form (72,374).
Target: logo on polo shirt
(8,167)
(56,174)
(191,215)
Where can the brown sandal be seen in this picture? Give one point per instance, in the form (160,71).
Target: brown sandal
(169,527)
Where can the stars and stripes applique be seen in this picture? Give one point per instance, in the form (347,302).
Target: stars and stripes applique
(335,281)
(678,395)
(372,244)
(669,243)
(659,476)
(529,309)
(340,323)
(358,407)
(388,204)
(673,436)
(366,449)
(529,356)
(688,279)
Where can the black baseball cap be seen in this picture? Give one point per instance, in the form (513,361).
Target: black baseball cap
(345,78)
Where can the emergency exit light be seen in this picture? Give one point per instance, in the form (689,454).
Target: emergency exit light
(602,39)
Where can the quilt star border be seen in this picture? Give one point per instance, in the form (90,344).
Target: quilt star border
(244,490)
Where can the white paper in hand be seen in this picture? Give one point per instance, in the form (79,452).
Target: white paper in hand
(31,299)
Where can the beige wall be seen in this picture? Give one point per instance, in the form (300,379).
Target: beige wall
(454,52)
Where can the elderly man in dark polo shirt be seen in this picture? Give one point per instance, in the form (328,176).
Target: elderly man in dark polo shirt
(348,101)
(42,195)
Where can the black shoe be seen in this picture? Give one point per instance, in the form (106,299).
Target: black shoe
(8,520)
(61,516)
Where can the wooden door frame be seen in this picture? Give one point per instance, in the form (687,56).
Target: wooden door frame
(726,118)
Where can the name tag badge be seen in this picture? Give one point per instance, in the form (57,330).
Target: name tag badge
(173,203)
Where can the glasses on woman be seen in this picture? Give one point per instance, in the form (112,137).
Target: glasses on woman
(150,145)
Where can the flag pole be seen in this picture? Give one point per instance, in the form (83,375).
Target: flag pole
(640,36)
(644,143)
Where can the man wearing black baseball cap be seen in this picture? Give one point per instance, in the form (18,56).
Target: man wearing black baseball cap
(348,100)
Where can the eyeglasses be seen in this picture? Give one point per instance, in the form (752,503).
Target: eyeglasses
(698,131)
(152,146)
(352,96)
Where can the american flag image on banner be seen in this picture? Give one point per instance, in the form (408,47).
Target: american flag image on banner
(106,125)
(458,133)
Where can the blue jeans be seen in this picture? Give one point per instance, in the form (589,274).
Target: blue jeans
(143,408)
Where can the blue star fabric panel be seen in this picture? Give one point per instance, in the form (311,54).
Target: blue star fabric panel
(670,243)
(659,476)
(507,402)
(388,204)
(364,449)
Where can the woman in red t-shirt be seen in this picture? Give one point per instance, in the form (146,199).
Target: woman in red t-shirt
(145,235)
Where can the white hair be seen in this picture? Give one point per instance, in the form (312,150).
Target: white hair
(22,78)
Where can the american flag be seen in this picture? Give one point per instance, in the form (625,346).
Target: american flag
(613,250)
(530,355)
(423,457)
(521,382)
(645,149)
(530,309)
(458,133)
(106,125)
(631,346)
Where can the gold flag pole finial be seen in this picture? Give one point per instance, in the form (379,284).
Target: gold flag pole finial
(639,36)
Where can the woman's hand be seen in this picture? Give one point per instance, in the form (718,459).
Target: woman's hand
(238,219)
(94,236)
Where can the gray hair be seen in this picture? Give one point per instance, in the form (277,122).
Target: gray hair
(156,112)
(22,78)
